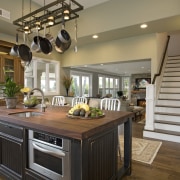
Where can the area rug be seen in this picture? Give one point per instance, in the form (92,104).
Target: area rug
(143,121)
(142,150)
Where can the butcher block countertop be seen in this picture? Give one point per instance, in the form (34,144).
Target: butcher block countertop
(54,120)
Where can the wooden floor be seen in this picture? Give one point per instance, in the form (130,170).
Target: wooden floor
(166,165)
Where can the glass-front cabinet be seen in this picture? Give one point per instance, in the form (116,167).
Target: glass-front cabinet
(11,66)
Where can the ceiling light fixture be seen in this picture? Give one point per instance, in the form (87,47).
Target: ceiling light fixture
(66,14)
(51,20)
(95,36)
(38,25)
(60,11)
(26,30)
(143,26)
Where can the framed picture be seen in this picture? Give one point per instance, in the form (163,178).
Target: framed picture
(142,82)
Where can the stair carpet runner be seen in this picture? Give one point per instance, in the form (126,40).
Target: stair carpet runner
(167,108)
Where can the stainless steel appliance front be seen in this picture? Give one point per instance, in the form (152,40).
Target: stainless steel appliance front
(49,155)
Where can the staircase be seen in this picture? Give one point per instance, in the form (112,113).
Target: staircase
(167,108)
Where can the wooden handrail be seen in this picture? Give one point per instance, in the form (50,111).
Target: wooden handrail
(162,61)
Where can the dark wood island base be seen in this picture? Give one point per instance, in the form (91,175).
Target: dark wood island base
(93,150)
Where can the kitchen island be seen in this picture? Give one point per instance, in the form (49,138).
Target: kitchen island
(93,142)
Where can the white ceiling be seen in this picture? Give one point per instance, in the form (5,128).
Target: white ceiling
(85,3)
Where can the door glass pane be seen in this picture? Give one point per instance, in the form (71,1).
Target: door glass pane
(85,86)
(41,75)
(107,82)
(100,82)
(111,82)
(52,78)
(75,85)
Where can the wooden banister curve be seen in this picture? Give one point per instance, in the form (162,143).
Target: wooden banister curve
(162,61)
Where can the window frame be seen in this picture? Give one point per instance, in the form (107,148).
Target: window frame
(109,88)
(34,75)
(82,73)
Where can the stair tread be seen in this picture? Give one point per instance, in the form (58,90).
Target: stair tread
(167,113)
(170,81)
(168,99)
(170,86)
(167,106)
(167,122)
(167,132)
(169,93)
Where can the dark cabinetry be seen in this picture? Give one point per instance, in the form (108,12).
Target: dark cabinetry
(11,151)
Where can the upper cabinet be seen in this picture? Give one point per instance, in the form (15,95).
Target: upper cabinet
(11,66)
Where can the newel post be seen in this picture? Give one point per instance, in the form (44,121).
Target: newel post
(150,101)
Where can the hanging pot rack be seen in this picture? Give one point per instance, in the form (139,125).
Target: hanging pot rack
(42,14)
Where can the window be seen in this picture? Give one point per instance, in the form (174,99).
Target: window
(82,83)
(126,86)
(43,74)
(108,85)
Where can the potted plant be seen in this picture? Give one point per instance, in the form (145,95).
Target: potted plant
(10,90)
(67,81)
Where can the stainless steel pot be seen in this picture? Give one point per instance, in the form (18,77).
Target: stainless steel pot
(35,45)
(64,36)
(61,46)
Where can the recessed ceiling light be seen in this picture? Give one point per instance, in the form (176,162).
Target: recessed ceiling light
(95,36)
(102,64)
(142,67)
(143,26)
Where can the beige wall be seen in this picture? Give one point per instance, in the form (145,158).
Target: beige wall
(135,48)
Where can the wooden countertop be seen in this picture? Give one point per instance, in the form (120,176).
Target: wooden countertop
(55,121)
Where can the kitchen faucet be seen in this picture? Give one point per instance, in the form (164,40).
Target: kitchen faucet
(43,105)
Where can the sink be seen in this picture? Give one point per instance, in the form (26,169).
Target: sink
(26,114)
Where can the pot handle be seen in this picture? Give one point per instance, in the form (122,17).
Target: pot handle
(16,38)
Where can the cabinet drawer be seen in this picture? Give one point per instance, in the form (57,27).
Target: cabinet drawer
(11,130)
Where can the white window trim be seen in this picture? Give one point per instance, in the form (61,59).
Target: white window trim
(104,83)
(81,73)
(57,72)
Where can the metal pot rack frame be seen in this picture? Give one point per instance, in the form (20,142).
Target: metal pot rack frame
(43,13)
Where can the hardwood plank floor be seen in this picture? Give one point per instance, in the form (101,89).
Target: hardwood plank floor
(166,165)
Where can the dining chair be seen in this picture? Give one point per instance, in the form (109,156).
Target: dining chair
(78,100)
(58,101)
(113,104)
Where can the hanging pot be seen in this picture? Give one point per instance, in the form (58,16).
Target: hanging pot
(24,52)
(35,45)
(64,36)
(45,44)
(60,46)
(14,49)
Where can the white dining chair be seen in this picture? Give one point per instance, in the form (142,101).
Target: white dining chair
(58,101)
(113,104)
(78,100)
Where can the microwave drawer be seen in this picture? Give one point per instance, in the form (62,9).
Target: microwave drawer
(11,130)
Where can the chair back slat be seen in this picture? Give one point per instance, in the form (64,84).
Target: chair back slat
(58,101)
(78,100)
(112,104)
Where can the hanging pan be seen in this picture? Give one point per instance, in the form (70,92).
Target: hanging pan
(24,52)
(45,44)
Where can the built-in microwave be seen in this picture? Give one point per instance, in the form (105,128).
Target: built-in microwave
(49,155)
